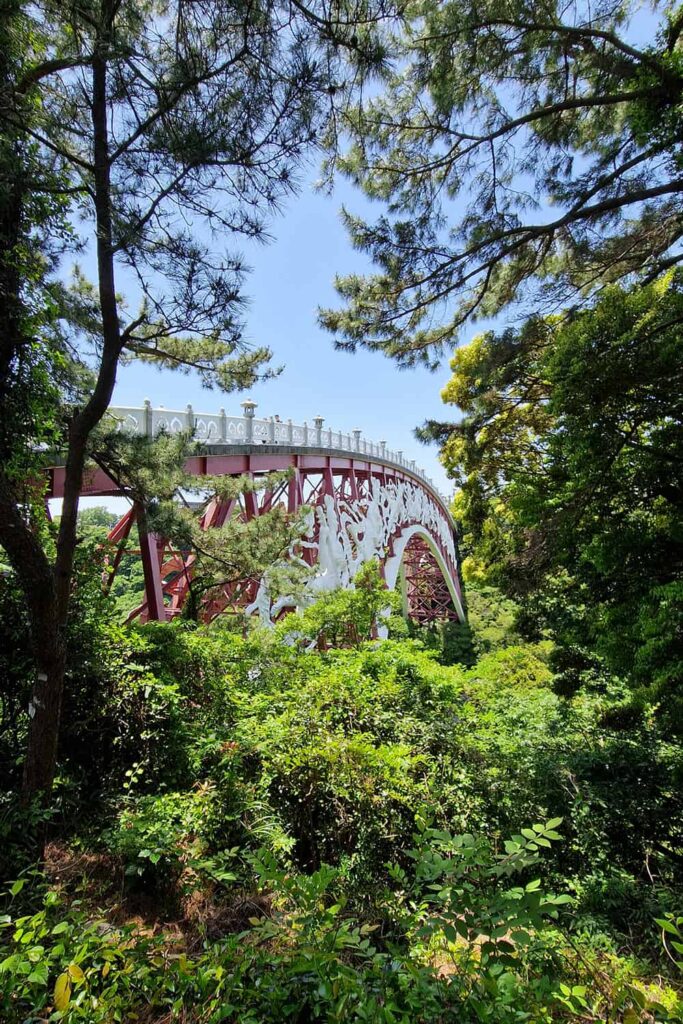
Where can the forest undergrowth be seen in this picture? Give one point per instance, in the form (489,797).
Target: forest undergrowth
(303,824)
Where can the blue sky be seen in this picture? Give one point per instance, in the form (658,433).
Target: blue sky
(290,278)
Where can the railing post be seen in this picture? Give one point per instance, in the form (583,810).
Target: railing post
(147,421)
(249,406)
(311,435)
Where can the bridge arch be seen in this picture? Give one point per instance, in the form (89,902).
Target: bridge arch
(365,501)
(394,570)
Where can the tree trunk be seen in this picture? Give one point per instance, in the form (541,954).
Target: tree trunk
(36,577)
(45,708)
(49,622)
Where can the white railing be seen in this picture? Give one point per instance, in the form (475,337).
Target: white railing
(219,428)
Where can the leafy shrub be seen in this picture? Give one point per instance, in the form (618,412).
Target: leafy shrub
(211,755)
(473,938)
(326,758)
(161,837)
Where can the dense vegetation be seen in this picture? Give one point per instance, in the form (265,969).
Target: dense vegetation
(568,460)
(247,827)
(480,822)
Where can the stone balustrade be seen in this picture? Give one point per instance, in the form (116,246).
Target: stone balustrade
(219,428)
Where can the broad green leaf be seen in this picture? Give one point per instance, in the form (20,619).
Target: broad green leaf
(667,926)
(62,993)
(39,974)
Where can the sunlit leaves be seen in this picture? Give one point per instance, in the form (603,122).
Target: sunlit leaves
(567,459)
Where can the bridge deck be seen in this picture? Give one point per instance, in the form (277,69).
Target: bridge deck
(234,459)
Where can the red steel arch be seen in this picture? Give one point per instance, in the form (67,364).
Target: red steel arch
(359,507)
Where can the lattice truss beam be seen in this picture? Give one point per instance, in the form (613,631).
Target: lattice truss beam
(427,595)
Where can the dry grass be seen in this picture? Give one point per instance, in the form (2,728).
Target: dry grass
(188,912)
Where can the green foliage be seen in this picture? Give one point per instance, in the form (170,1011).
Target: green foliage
(452,642)
(343,617)
(473,937)
(165,837)
(306,956)
(569,494)
(672,937)
(491,625)
(326,758)
(489,935)
(125,702)
(521,154)
(493,619)
(366,804)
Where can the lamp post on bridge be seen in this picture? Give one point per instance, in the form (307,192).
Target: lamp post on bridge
(147,418)
(249,407)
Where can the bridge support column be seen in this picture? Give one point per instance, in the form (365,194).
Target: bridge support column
(118,536)
(151,569)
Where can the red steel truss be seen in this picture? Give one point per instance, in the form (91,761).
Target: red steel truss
(346,478)
(426,592)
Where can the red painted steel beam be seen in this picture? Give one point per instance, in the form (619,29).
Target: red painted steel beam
(318,475)
(118,535)
(150,556)
(97,482)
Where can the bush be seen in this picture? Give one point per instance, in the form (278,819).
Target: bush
(203,756)
(474,937)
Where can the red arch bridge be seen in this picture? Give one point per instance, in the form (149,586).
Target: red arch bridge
(365,502)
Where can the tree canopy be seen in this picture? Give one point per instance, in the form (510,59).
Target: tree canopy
(522,153)
(569,461)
